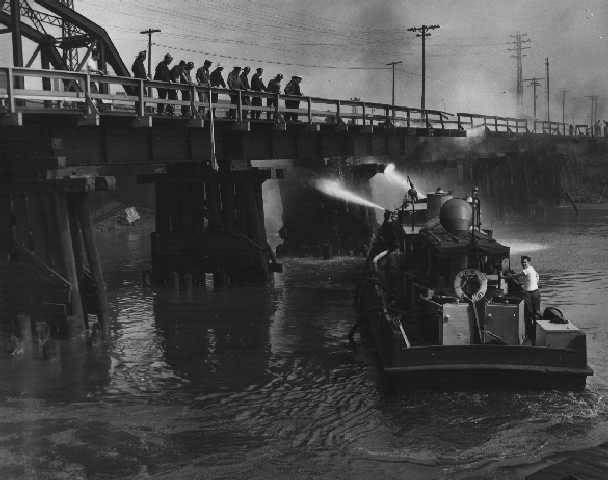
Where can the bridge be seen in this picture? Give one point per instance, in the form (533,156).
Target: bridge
(66,135)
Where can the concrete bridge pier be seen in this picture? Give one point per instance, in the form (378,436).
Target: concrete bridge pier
(209,222)
(50,269)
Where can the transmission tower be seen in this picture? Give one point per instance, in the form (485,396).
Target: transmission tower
(520,43)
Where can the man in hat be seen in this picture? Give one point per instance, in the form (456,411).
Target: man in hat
(234,83)
(216,80)
(139,71)
(257,85)
(139,68)
(176,73)
(274,86)
(203,79)
(185,78)
(245,86)
(163,74)
(293,89)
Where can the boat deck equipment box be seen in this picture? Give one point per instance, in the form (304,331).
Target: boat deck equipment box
(555,335)
(505,319)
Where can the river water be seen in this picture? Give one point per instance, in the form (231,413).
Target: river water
(260,382)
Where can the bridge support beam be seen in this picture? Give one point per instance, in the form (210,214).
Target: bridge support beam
(209,222)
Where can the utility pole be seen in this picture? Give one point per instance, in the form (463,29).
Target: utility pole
(392,64)
(534,82)
(564,109)
(422,33)
(547,85)
(149,32)
(519,45)
(592,117)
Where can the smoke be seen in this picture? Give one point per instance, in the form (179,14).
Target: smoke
(394,177)
(335,189)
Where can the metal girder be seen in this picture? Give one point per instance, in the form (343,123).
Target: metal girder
(91,28)
(40,38)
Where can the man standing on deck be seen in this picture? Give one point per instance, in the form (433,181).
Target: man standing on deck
(528,279)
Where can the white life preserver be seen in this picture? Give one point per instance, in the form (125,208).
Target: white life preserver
(462,280)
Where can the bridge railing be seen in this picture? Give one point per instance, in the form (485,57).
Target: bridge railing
(29,89)
(492,122)
(550,128)
(94,93)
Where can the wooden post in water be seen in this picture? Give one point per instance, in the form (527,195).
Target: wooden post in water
(76,319)
(84,218)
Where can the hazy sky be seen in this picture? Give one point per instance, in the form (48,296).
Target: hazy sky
(468,65)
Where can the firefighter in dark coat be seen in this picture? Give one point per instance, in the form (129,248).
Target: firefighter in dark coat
(234,83)
(185,78)
(257,85)
(216,80)
(163,74)
(176,74)
(139,71)
(139,68)
(245,86)
(293,89)
(203,78)
(274,86)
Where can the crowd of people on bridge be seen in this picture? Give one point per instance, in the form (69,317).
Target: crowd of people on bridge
(184,73)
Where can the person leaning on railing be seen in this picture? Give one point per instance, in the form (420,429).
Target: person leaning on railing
(274,86)
(234,83)
(245,86)
(257,85)
(176,74)
(203,80)
(293,89)
(185,78)
(163,74)
(216,80)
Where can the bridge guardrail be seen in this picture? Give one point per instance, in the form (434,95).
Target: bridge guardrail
(91,93)
(133,95)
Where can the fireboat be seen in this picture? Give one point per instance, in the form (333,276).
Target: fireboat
(443,312)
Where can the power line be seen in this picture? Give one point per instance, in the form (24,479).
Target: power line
(271,62)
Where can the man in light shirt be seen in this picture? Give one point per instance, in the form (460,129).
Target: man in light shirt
(528,279)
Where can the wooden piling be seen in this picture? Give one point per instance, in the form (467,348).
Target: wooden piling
(84,218)
(76,320)
(174,279)
(188,284)
(24,327)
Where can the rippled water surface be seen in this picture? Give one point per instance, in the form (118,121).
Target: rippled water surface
(259,382)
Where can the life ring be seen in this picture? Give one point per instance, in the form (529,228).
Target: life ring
(471,284)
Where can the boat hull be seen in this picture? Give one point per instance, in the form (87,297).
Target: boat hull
(511,367)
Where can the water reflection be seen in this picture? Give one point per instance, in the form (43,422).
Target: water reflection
(217,340)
